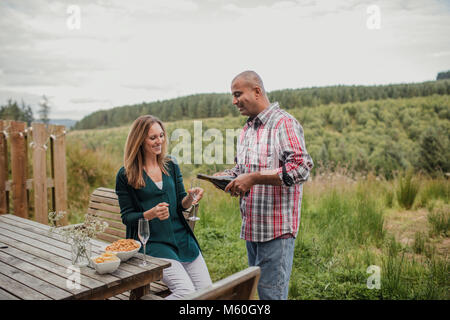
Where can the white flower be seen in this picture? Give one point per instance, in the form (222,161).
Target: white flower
(79,233)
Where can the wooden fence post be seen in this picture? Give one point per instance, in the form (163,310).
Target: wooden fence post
(3,168)
(40,172)
(19,185)
(59,174)
(19,168)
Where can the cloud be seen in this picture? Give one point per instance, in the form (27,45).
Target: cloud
(440,54)
(88,100)
(148,87)
(28,98)
(132,51)
(295,9)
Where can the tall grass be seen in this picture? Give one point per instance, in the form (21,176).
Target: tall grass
(439,219)
(369,220)
(407,190)
(354,217)
(419,242)
(342,232)
(434,189)
(407,278)
(86,171)
(393,265)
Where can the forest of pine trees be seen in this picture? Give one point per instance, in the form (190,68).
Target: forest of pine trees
(219,104)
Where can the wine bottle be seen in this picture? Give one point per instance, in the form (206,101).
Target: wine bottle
(219,181)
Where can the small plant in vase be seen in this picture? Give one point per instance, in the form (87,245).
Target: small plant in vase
(78,236)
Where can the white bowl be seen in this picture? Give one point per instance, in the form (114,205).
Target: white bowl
(125,255)
(105,267)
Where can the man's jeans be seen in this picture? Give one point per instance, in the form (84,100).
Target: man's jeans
(274,257)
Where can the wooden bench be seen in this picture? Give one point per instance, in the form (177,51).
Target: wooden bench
(104,204)
(239,286)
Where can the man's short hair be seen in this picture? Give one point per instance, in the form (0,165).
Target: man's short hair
(252,78)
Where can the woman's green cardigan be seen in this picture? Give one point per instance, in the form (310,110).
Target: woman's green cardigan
(171,238)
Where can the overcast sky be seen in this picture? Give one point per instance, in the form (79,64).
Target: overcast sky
(126,52)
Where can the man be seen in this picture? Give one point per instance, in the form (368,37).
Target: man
(272,164)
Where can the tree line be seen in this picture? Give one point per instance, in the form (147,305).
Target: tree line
(219,104)
(443,75)
(12,110)
(382,137)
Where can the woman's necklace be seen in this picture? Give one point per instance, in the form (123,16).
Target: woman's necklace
(154,173)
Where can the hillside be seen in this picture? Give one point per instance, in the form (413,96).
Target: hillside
(69,123)
(350,218)
(382,136)
(219,104)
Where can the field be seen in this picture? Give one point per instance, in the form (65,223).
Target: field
(352,217)
(347,226)
(378,136)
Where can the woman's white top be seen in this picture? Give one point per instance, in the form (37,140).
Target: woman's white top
(159,184)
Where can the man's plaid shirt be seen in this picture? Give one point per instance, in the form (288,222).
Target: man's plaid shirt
(272,140)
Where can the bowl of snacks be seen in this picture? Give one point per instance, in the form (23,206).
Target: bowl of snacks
(106,263)
(124,248)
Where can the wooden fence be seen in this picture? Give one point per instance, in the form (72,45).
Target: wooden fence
(39,138)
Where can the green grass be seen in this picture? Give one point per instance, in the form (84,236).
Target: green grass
(407,190)
(342,230)
(341,235)
(86,170)
(419,243)
(438,188)
(439,220)
(380,136)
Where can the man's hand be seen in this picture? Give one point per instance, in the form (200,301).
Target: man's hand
(241,185)
(244,182)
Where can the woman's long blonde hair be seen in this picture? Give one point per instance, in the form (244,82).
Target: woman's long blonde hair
(134,154)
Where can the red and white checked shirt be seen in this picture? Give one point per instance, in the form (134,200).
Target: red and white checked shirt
(272,140)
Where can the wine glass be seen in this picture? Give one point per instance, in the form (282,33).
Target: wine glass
(144,234)
(195,183)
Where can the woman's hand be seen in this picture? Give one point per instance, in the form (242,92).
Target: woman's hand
(160,211)
(195,193)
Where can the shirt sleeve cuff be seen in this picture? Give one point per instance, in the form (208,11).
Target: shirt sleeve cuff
(230,172)
(284,177)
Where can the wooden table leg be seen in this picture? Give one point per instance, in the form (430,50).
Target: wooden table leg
(137,293)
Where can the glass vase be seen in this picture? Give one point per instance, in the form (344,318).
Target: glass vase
(81,253)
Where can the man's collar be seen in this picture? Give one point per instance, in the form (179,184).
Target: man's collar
(263,116)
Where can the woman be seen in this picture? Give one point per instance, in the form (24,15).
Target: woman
(150,186)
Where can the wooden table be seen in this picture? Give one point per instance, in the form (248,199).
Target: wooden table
(36,265)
